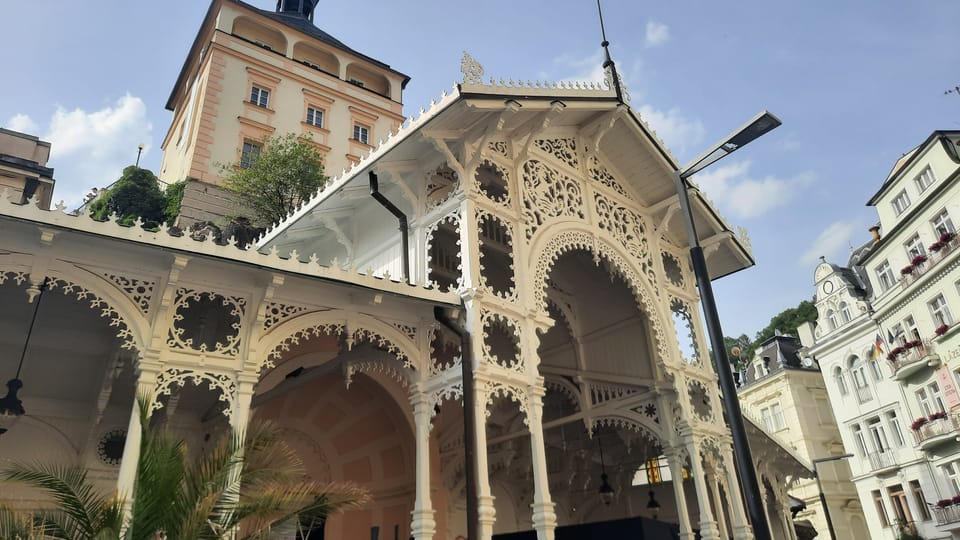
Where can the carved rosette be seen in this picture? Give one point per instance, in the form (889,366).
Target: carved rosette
(224,385)
(548,194)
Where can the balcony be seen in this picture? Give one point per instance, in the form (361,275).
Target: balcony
(914,360)
(947,515)
(932,261)
(938,431)
(881,462)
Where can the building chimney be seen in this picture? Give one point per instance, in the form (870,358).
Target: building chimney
(876,233)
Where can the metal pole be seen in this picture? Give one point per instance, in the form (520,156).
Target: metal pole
(823,503)
(747,474)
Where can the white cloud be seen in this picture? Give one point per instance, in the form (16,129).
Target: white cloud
(675,130)
(23,124)
(90,149)
(732,188)
(583,69)
(831,243)
(657,34)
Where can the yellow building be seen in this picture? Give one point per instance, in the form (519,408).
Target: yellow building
(23,167)
(253,73)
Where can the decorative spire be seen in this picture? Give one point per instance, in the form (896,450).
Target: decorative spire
(612,77)
(302,8)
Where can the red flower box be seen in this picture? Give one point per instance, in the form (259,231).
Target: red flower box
(937,416)
(918,259)
(943,503)
(906,270)
(918,423)
(941,330)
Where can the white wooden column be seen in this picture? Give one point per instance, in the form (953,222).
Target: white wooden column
(714,482)
(149,370)
(486,513)
(708,526)
(675,462)
(738,516)
(422,524)
(544,517)
(240,417)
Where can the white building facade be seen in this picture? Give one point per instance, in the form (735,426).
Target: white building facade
(887,342)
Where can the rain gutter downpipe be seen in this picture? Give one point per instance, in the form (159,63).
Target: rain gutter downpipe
(401,217)
(469,420)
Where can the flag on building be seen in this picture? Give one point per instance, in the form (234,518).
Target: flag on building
(877,348)
(890,337)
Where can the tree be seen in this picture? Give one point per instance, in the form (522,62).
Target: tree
(287,171)
(788,320)
(136,194)
(253,484)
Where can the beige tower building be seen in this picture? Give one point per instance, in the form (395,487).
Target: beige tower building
(253,73)
(23,167)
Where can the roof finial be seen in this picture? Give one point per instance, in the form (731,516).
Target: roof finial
(607,61)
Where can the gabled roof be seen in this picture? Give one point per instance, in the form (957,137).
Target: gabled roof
(643,161)
(907,160)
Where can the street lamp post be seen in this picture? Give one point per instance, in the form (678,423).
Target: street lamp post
(757,126)
(139,151)
(823,499)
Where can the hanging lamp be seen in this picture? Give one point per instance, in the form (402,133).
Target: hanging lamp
(11,408)
(606,490)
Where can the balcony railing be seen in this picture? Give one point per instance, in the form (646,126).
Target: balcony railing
(947,514)
(863,393)
(912,360)
(881,460)
(933,259)
(937,430)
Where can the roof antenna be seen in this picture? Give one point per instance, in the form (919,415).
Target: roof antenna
(608,62)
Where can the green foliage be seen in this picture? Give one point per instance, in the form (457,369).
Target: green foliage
(253,483)
(288,171)
(172,197)
(135,195)
(787,321)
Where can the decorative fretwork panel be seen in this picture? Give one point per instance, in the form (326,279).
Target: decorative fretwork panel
(548,194)
(443,253)
(496,256)
(600,174)
(277,312)
(17,277)
(207,322)
(138,290)
(501,340)
(673,269)
(494,182)
(563,150)
(629,229)
(106,311)
(224,385)
(442,184)
(700,400)
(686,331)
(498,147)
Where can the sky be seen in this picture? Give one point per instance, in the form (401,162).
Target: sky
(856,84)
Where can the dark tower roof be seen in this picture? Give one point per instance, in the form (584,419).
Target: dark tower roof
(301,8)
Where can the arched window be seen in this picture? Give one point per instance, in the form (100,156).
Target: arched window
(859,375)
(841,382)
(845,315)
(832,319)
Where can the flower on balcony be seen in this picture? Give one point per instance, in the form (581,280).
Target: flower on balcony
(919,423)
(936,246)
(941,330)
(906,270)
(937,416)
(947,237)
(943,503)
(919,259)
(956,499)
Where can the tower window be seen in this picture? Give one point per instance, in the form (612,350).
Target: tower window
(901,202)
(925,179)
(315,117)
(361,133)
(259,96)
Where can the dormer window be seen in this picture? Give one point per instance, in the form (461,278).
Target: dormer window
(901,202)
(832,319)
(845,315)
(925,179)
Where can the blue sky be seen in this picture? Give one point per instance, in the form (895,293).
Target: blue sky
(856,84)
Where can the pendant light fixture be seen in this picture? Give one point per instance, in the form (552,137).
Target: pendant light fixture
(606,490)
(11,408)
(653,506)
